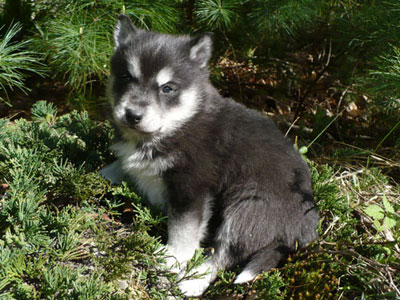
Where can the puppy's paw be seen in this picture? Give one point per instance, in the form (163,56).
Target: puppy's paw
(194,287)
(245,276)
(113,173)
(171,262)
(206,273)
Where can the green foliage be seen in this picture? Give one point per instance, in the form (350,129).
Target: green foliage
(326,192)
(270,286)
(16,62)
(347,249)
(313,276)
(217,14)
(387,79)
(283,17)
(146,14)
(56,235)
(76,48)
(384,86)
(383,218)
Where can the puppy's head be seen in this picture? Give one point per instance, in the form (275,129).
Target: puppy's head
(156,79)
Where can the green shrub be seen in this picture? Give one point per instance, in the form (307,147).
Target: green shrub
(54,209)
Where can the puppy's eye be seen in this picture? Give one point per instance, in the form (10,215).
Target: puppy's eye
(127,77)
(166,89)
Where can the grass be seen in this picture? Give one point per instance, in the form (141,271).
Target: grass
(65,233)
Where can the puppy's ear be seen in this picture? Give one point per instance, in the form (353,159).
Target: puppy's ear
(201,49)
(123,31)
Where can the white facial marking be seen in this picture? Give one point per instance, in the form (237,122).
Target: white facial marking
(164,76)
(176,116)
(134,67)
(120,109)
(151,121)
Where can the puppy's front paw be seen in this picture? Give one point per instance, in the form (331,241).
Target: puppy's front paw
(172,263)
(113,173)
(194,287)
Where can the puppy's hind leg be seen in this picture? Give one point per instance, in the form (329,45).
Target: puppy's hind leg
(262,261)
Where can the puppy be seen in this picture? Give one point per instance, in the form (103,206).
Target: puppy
(222,173)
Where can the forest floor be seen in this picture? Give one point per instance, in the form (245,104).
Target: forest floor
(67,233)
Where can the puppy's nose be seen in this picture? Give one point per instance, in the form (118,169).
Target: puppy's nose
(132,117)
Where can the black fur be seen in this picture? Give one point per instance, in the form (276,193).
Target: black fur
(254,173)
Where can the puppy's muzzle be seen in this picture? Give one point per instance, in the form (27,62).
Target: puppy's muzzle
(132,117)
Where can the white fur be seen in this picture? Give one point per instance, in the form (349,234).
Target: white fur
(120,109)
(186,232)
(164,76)
(224,232)
(207,213)
(176,116)
(154,188)
(151,121)
(196,287)
(245,276)
(145,170)
(223,238)
(184,237)
(156,121)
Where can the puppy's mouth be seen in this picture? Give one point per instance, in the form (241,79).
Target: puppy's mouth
(136,129)
(134,124)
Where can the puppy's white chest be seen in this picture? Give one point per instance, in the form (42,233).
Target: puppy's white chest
(153,187)
(146,171)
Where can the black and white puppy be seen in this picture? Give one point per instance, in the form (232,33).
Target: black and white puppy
(221,172)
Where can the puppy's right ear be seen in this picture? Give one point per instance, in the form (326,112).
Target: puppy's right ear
(201,48)
(123,31)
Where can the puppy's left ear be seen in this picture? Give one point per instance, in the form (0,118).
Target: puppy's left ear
(123,31)
(201,49)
